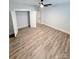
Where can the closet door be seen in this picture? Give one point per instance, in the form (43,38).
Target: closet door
(22,19)
(15,28)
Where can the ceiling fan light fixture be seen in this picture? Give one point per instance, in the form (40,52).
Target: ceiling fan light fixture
(41,5)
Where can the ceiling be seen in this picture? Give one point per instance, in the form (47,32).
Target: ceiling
(36,2)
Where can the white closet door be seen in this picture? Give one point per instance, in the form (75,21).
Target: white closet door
(13,14)
(33,18)
(22,19)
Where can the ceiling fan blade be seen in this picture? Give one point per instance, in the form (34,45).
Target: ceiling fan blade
(41,0)
(47,4)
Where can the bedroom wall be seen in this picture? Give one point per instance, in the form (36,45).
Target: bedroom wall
(38,17)
(57,17)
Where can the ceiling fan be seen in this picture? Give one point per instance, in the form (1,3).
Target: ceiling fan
(44,5)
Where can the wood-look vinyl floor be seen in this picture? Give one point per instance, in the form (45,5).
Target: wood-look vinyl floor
(42,42)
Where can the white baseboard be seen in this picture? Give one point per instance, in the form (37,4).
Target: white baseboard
(22,26)
(58,28)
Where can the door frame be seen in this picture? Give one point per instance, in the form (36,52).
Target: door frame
(14,22)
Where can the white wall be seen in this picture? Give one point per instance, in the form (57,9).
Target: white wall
(38,17)
(11,31)
(33,19)
(13,6)
(57,17)
(22,19)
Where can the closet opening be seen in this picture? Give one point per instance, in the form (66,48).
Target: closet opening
(23,19)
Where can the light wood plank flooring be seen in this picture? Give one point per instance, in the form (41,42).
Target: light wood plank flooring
(42,42)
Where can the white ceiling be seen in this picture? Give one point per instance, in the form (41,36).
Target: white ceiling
(35,2)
